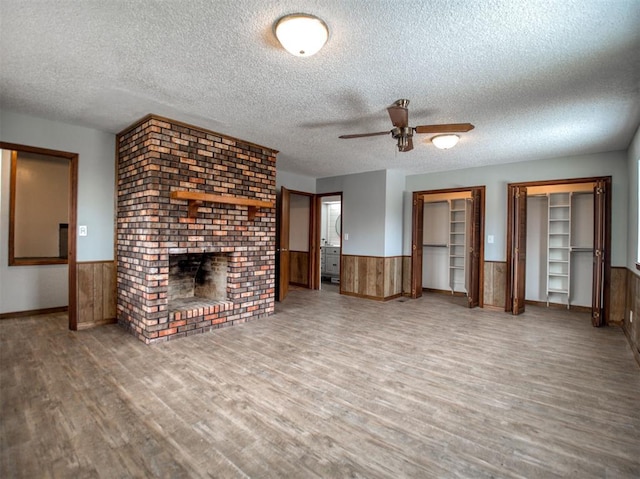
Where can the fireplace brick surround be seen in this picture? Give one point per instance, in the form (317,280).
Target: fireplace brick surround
(156,156)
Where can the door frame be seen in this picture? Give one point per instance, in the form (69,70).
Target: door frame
(283,220)
(599,318)
(417,225)
(73,215)
(315,280)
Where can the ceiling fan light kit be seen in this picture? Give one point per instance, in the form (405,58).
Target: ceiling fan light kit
(444,142)
(403,133)
(301,34)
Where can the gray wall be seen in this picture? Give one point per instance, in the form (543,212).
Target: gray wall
(292,181)
(363,210)
(633,156)
(496,178)
(393,213)
(36,287)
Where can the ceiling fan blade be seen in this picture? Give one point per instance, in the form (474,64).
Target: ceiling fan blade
(399,116)
(445,128)
(408,146)
(363,135)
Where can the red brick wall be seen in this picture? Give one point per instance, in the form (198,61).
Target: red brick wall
(157,156)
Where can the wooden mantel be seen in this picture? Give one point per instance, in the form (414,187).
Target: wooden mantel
(196,198)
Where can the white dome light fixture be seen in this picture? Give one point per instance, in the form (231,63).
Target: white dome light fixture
(444,142)
(301,34)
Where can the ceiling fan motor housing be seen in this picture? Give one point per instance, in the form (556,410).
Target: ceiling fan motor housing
(405,132)
(403,135)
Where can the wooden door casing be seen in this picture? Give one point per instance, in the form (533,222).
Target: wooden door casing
(476,250)
(416,245)
(283,245)
(516,248)
(601,251)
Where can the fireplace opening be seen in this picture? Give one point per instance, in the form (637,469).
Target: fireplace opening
(197,279)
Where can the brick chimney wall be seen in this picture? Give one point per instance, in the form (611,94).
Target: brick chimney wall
(157,156)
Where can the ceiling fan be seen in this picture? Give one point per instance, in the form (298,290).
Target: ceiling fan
(401,131)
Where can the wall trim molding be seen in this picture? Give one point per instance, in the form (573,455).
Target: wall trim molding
(34,312)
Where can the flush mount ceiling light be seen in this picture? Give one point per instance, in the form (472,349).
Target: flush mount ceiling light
(444,142)
(301,34)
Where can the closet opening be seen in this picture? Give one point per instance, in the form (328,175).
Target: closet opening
(558,245)
(447,254)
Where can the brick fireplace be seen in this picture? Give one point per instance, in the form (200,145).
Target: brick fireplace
(186,266)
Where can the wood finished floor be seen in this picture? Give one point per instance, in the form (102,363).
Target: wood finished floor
(330,386)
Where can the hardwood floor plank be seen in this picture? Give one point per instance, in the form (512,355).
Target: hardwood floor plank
(330,386)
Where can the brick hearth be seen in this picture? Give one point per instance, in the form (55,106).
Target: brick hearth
(155,157)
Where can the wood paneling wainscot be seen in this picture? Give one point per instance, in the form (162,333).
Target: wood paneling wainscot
(96,283)
(495,280)
(631,328)
(371,277)
(299,268)
(618,294)
(406,275)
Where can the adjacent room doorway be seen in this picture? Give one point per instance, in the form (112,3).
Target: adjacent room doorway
(56,243)
(309,240)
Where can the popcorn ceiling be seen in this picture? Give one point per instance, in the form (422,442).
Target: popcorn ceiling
(538,79)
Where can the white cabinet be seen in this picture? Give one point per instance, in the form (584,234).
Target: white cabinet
(330,261)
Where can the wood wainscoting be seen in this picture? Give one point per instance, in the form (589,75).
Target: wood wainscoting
(371,277)
(495,281)
(631,328)
(406,275)
(618,294)
(96,282)
(299,268)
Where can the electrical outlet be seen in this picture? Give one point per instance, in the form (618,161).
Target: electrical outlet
(82,230)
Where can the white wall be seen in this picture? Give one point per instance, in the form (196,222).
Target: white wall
(25,288)
(293,181)
(633,156)
(393,213)
(363,210)
(496,178)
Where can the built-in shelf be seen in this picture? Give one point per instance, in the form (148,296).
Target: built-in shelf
(558,248)
(196,199)
(457,245)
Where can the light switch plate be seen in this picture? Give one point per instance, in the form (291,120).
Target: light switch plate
(490,239)
(82,230)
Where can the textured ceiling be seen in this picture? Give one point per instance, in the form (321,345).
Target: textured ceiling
(538,79)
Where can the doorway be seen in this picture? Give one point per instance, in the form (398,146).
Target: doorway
(558,245)
(302,231)
(51,244)
(330,235)
(447,247)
